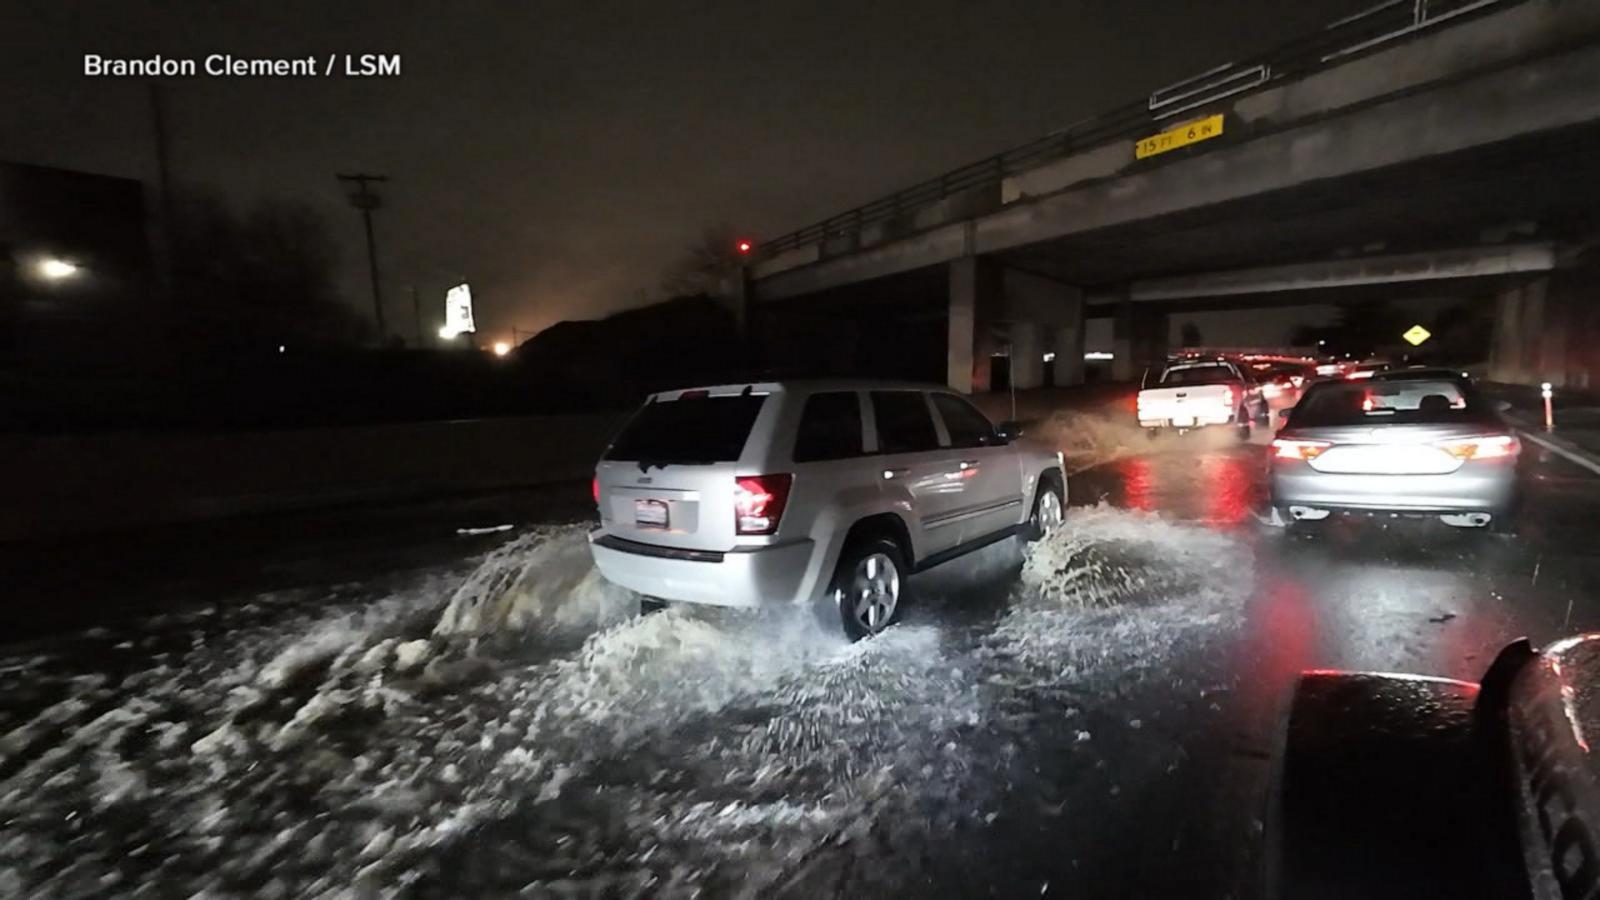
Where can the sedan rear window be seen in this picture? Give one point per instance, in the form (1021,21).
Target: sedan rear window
(689,430)
(1380,401)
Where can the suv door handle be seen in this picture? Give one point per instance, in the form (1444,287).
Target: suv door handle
(895,473)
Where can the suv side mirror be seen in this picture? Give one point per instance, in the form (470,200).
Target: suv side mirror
(1283,416)
(1008,431)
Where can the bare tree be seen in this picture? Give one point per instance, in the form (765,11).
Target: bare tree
(262,278)
(702,269)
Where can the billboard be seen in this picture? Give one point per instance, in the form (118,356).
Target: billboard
(457,312)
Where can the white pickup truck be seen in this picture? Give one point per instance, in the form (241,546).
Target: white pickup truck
(1196,393)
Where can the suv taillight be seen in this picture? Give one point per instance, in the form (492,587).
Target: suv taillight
(758,502)
(594,488)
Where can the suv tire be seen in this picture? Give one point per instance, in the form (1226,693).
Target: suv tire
(1049,509)
(869,586)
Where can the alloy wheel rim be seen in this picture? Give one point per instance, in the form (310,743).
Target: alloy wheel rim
(873,592)
(1049,515)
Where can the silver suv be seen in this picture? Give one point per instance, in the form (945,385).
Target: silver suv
(817,493)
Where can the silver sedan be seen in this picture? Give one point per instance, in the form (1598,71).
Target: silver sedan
(1420,443)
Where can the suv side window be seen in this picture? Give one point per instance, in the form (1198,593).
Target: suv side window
(967,426)
(830,427)
(904,423)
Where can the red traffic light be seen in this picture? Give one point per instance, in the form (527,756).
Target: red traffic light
(744,247)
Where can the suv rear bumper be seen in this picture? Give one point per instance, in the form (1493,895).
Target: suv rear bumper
(743,577)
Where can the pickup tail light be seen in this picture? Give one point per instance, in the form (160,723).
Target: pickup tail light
(1301,450)
(758,502)
(1495,446)
(594,488)
(1228,397)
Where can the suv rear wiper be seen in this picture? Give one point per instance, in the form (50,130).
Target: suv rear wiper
(646,464)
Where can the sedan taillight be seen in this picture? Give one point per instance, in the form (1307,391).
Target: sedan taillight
(1302,450)
(1495,446)
(758,502)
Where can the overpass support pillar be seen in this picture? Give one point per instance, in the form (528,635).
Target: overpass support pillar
(1547,329)
(1045,315)
(1069,344)
(1138,337)
(1149,336)
(1122,338)
(975,290)
(1515,353)
(1027,355)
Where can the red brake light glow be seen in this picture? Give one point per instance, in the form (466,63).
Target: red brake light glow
(1498,446)
(1302,450)
(758,502)
(594,488)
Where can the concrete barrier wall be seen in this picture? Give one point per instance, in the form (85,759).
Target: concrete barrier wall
(74,484)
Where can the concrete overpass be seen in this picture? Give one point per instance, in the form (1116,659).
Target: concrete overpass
(1421,141)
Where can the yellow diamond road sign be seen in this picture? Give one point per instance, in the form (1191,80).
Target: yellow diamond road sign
(1416,334)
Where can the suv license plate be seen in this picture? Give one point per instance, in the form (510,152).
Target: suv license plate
(650,513)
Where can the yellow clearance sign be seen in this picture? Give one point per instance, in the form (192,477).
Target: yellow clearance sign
(1181,136)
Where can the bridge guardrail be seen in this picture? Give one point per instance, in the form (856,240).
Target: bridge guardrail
(1384,24)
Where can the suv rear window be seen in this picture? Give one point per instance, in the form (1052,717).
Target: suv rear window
(904,423)
(830,427)
(1199,375)
(690,430)
(1369,402)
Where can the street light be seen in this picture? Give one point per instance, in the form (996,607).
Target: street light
(501,348)
(55,269)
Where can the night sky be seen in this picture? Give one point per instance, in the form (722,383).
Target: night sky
(561,156)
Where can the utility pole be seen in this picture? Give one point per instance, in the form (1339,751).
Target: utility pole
(158,126)
(363,198)
(161,236)
(416,315)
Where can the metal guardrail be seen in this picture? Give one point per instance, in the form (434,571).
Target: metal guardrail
(1389,22)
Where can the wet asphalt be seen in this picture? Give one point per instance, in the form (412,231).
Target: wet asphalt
(1003,745)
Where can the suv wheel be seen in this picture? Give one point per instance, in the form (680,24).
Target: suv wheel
(1049,510)
(868,586)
